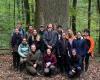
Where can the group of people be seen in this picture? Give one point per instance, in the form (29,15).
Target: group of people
(50,50)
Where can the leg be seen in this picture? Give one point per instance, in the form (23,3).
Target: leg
(52,69)
(86,62)
(47,72)
(14,59)
(17,60)
(31,70)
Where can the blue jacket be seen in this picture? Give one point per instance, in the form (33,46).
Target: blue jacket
(79,45)
(23,50)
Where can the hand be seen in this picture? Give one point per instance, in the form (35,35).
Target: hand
(35,65)
(92,55)
(48,64)
(50,47)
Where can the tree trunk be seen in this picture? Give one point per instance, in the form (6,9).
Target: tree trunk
(33,10)
(27,11)
(14,13)
(98,9)
(51,11)
(89,14)
(18,7)
(74,17)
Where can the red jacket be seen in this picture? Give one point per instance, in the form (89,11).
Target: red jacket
(50,58)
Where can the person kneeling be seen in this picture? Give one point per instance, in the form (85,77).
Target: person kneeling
(23,51)
(75,64)
(49,63)
(34,61)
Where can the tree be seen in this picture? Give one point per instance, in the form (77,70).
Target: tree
(27,11)
(89,14)
(18,6)
(98,9)
(51,11)
(14,13)
(74,16)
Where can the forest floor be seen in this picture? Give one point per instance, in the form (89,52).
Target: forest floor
(7,73)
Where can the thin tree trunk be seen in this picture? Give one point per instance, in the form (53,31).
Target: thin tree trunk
(22,6)
(14,13)
(9,11)
(27,11)
(74,17)
(18,7)
(98,9)
(89,14)
(33,10)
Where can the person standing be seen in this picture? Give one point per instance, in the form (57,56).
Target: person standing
(89,47)
(50,37)
(15,42)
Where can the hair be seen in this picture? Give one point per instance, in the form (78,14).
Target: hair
(87,31)
(59,26)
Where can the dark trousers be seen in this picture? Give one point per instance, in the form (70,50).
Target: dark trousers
(87,61)
(16,59)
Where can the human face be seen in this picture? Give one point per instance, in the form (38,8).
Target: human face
(24,41)
(74,52)
(48,51)
(64,35)
(78,35)
(30,27)
(50,27)
(34,32)
(33,48)
(16,31)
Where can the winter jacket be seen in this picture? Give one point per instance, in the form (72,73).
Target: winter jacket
(23,50)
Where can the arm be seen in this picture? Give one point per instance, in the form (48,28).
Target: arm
(92,44)
(19,51)
(54,60)
(54,39)
(44,38)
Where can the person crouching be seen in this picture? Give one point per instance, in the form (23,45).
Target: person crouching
(75,64)
(23,51)
(34,61)
(49,63)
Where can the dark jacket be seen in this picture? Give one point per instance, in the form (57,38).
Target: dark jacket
(50,58)
(15,41)
(76,61)
(50,38)
(34,40)
(64,47)
(79,45)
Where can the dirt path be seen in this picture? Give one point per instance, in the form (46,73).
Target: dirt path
(7,73)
